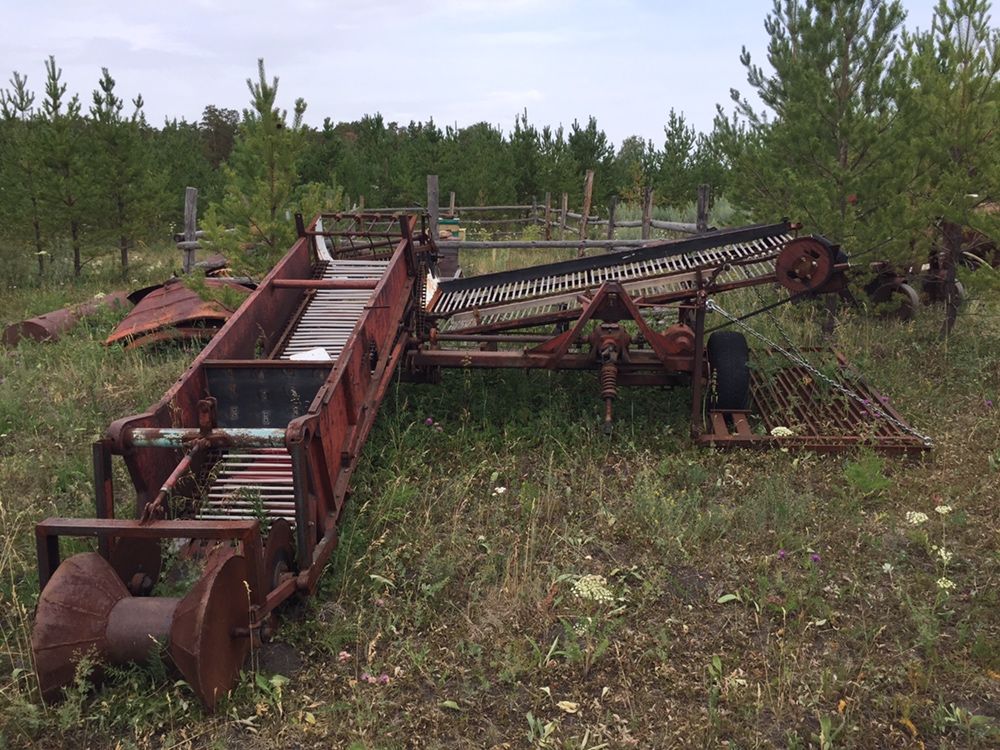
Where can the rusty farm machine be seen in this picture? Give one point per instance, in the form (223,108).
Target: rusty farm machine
(268,422)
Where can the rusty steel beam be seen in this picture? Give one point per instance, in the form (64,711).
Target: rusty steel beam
(639,360)
(324,283)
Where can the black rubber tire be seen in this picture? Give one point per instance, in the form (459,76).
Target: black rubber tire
(728,362)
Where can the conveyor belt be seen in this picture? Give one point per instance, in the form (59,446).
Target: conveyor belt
(558,286)
(251,483)
(330,317)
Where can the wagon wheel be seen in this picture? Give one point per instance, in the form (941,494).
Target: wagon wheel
(894,298)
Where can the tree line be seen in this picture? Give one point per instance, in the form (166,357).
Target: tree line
(867,131)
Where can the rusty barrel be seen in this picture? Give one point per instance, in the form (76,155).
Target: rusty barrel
(51,325)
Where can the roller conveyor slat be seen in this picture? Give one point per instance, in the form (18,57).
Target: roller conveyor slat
(647,276)
(330,317)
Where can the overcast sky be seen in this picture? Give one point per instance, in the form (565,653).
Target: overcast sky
(459,61)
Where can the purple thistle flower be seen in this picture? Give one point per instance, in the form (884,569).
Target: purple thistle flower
(782,554)
(815,557)
(988,403)
(429,421)
(365,677)
(383,679)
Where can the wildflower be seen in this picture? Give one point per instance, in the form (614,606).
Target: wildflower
(497,491)
(915,517)
(593,588)
(887,568)
(782,554)
(383,679)
(988,403)
(815,557)
(781,432)
(943,510)
(343,656)
(945,583)
(365,677)
(429,421)
(945,555)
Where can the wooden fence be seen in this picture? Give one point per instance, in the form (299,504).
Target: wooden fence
(560,224)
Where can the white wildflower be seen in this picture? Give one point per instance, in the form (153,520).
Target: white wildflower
(915,517)
(593,588)
(781,432)
(945,555)
(887,568)
(943,510)
(945,583)
(499,491)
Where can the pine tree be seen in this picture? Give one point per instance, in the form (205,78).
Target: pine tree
(178,160)
(556,166)
(590,149)
(823,151)
(953,117)
(20,178)
(261,176)
(65,176)
(123,182)
(525,153)
(477,162)
(637,165)
(676,185)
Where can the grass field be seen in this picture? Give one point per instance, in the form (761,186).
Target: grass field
(510,577)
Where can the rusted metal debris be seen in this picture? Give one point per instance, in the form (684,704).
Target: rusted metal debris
(269,421)
(50,326)
(175,311)
(793,409)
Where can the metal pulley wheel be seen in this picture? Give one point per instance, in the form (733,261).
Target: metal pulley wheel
(805,264)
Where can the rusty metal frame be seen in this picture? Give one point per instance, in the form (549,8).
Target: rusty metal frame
(169,444)
(787,396)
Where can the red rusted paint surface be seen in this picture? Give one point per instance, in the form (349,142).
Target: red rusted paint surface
(212,627)
(51,325)
(174,306)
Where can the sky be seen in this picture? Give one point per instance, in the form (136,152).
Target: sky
(627,62)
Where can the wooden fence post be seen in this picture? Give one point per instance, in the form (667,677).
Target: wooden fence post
(548,216)
(361,203)
(611,216)
(702,220)
(647,211)
(190,226)
(588,193)
(432,205)
(562,216)
(451,205)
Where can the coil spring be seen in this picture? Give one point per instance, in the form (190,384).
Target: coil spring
(609,380)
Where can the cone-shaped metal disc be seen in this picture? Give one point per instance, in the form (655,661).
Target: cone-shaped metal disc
(72,617)
(204,640)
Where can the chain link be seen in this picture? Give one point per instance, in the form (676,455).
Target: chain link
(869,406)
